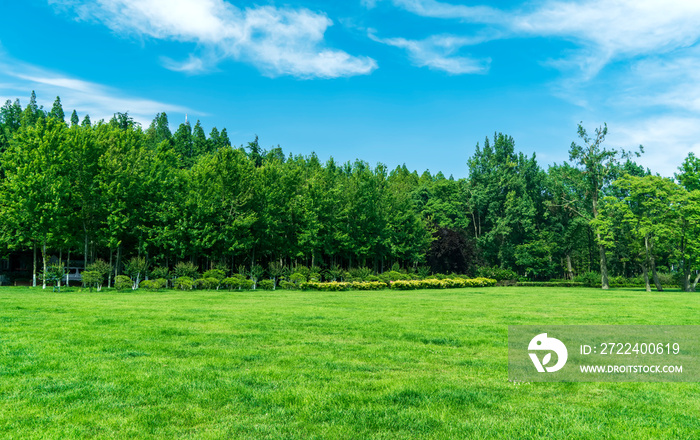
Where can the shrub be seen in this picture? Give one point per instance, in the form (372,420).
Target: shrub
(333,286)
(497,273)
(122,282)
(297,278)
(369,285)
(101,267)
(136,268)
(207,283)
(147,284)
(589,279)
(234,282)
(288,285)
(360,274)
(247,284)
(160,283)
(553,283)
(447,283)
(423,271)
(92,278)
(393,275)
(183,283)
(186,269)
(335,273)
(218,274)
(266,284)
(161,272)
(256,272)
(302,270)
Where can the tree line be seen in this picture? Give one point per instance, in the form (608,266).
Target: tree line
(114,190)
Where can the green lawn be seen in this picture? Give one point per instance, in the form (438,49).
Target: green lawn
(310,365)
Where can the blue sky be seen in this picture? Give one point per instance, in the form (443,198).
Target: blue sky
(418,82)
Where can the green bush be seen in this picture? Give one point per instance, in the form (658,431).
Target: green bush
(497,273)
(360,274)
(161,272)
(101,267)
(266,284)
(234,282)
(92,278)
(214,273)
(392,275)
(186,269)
(369,285)
(209,283)
(589,279)
(620,281)
(147,285)
(553,283)
(333,286)
(400,284)
(297,278)
(288,285)
(183,283)
(447,283)
(122,282)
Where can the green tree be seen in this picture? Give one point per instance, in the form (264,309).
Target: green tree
(594,170)
(74,120)
(505,197)
(646,209)
(36,189)
(57,110)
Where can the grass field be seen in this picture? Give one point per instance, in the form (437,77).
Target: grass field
(309,365)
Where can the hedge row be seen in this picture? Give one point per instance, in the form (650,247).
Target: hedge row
(551,284)
(448,283)
(335,286)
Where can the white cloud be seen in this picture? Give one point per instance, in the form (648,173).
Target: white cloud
(192,65)
(436,9)
(439,52)
(605,29)
(279,41)
(667,140)
(99,101)
(621,27)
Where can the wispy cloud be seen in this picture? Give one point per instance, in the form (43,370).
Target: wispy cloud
(667,140)
(439,52)
(279,41)
(605,29)
(436,9)
(651,90)
(99,101)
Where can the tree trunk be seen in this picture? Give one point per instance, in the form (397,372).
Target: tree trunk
(34,267)
(60,259)
(116,266)
(85,255)
(645,271)
(569,268)
(68,270)
(650,258)
(605,284)
(686,280)
(655,276)
(43,257)
(109,277)
(695,282)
